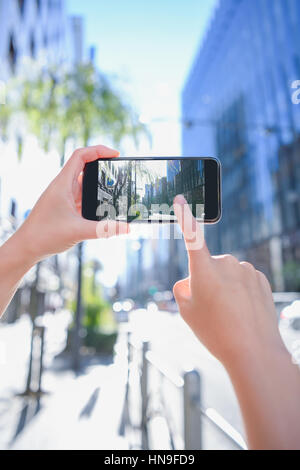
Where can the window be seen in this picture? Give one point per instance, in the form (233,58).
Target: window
(38,5)
(32,46)
(21,6)
(12,54)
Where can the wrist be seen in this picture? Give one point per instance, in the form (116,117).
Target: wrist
(259,358)
(17,254)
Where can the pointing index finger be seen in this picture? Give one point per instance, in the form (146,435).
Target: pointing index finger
(193,233)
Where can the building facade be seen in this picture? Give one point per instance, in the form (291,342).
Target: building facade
(39,30)
(29,28)
(237,105)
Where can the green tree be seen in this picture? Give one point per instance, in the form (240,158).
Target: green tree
(6,112)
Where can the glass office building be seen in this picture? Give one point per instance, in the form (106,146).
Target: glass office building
(239,104)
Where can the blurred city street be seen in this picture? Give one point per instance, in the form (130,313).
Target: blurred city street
(76,411)
(177,350)
(84,411)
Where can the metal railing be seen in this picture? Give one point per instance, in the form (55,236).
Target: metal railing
(194,413)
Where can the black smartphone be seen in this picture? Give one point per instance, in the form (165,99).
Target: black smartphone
(142,190)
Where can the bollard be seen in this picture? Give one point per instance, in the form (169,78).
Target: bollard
(192,413)
(41,364)
(28,381)
(13,310)
(38,333)
(129,355)
(144,394)
(125,421)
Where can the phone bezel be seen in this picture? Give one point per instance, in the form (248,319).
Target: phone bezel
(213,208)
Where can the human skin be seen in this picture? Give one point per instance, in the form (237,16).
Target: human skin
(229,307)
(54,225)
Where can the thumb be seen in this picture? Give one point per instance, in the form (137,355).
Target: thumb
(182,291)
(182,294)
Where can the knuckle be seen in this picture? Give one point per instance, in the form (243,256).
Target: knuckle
(78,153)
(248,266)
(230,259)
(263,277)
(177,289)
(180,291)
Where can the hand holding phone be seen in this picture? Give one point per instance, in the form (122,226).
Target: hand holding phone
(55,223)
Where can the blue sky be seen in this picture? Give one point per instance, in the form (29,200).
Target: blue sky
(150,45)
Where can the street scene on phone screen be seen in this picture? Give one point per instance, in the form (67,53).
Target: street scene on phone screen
(145,190)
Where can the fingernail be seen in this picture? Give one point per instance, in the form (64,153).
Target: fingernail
(180,199)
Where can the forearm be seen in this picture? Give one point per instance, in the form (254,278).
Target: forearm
(15,261)
(268,389)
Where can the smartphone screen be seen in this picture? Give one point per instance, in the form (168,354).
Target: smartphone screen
(142,190)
